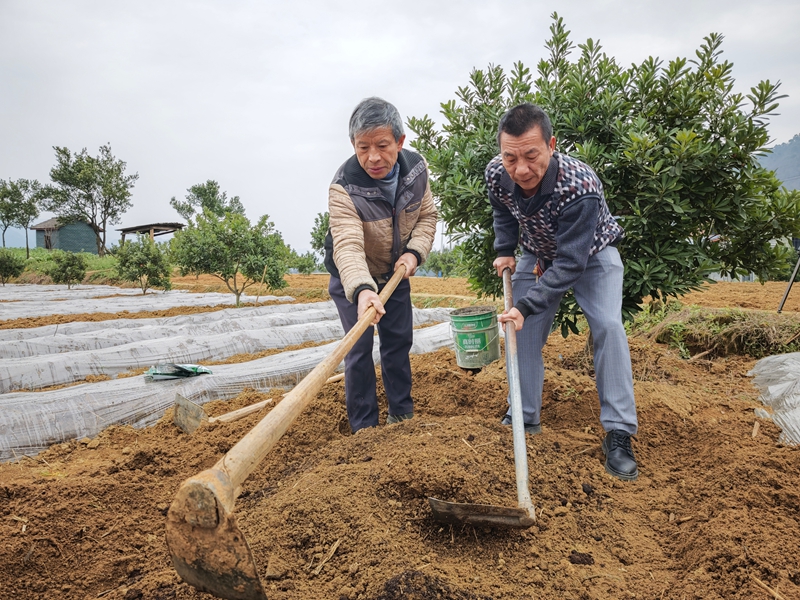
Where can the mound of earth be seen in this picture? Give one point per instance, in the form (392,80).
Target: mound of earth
(715,512)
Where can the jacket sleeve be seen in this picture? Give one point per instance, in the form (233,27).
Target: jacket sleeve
(424,231)
(347,232)
(576,227)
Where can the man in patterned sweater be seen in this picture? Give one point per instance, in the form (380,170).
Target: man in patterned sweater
(382,216)
(553,206)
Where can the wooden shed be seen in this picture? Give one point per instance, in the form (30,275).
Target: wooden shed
(70,237)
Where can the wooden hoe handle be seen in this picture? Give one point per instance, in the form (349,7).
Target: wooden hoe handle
(240,460)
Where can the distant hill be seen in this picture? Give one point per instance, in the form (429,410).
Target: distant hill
(785,161)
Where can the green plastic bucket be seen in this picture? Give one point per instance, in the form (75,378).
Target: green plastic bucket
(476,336)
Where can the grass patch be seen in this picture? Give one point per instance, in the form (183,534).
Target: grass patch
(99,271)
(693,330)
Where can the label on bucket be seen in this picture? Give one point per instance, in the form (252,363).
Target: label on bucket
(473,342)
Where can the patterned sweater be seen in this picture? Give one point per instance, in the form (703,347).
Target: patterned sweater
(565,223)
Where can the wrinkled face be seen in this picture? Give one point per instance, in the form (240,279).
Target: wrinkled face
(526,158)
(377,151)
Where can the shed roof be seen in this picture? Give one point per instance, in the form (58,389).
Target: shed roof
(54,223)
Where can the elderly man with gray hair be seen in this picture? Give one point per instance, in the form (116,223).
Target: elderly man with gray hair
(382,216)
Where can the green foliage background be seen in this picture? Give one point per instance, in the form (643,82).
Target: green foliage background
(233,250)
(92,189)
(11,265)
(68,267)
(675,147)
(144,263)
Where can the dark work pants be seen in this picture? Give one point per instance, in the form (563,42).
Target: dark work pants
(396,331)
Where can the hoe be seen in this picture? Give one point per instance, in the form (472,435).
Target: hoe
(189,415)
(208,549)
(524,514)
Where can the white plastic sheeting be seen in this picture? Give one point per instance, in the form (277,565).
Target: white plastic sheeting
(30,422)
(59,361)
(21,300)
(778,380)
(224,315)
(112,335)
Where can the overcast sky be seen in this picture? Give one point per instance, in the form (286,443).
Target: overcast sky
(257,94)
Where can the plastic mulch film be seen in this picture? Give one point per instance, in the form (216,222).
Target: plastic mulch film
(62,362)
(224,315)
(22,301)
(111,334)
(31,422)
(778,380)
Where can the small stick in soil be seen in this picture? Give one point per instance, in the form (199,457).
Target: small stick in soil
(766,588)
(109,532)
(470,445)
(756,427)
(601,575)
(700,355)
(792,339)
(30,551)
(328,556)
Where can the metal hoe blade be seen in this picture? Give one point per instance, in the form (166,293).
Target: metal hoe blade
(486,514)
(208,549)
(480,514)
(188,415)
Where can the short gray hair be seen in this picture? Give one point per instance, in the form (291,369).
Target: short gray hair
(372,113)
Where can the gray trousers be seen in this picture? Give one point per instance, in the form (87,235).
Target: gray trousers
(599,294)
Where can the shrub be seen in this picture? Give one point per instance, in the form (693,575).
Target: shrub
(676,149)
(11,265)
(69,268)
(145,263)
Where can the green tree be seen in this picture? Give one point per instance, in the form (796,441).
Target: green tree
(305,263)
(91,189)
(447,262)
(7,209)
(11,265)
(145,263)
(69,268)
(19,206)
(319,232)
(206,197)
(675,147)
(232,250)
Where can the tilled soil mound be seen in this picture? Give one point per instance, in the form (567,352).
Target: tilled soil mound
(715,512)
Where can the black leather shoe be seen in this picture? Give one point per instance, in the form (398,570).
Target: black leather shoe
(620,461)
(530,428)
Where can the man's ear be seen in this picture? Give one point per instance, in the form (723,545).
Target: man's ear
(400,142)
(552,144)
